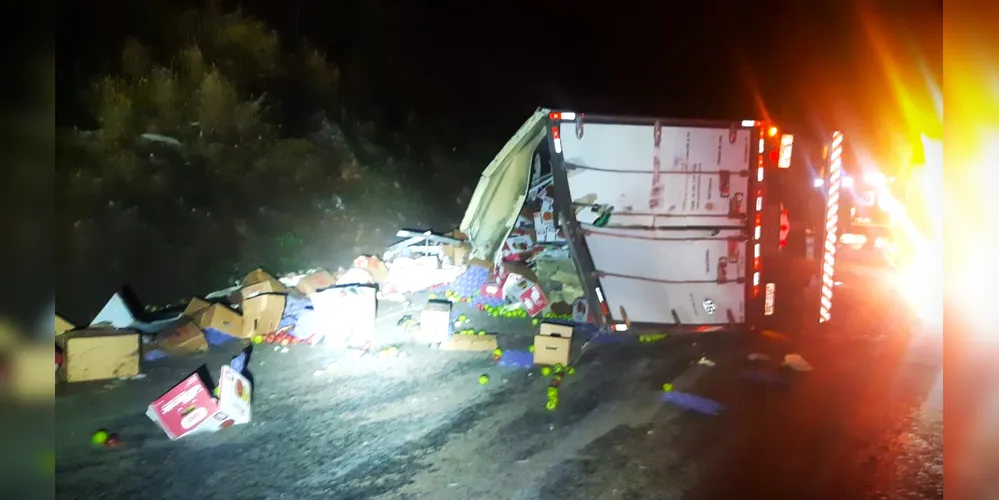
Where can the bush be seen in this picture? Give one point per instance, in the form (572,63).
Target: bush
(193,176)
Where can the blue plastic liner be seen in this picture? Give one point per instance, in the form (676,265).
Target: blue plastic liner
(294,307)
(517,359)
(215,337)
(153,355)
(692,402)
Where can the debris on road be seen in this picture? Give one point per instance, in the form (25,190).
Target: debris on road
(93,354)
(552,344)
(756,356)
(484,343)
(692,402)
(796,363)
(99,437)
(517,359)
(189,407)
(435,322)
(704,361)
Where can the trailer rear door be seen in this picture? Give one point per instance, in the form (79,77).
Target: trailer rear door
(658,215)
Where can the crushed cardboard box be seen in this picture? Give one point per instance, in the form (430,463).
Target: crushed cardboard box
(215,317)
(552,344)
(520,284)
(99,354)
(190,408)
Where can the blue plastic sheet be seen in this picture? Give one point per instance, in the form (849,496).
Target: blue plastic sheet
(294,307)
(215,337)
(517,359)
(692,402)
(153,355)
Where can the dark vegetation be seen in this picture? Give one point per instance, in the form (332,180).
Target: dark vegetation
(216,145)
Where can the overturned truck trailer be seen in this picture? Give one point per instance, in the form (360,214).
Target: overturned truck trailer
(668,223)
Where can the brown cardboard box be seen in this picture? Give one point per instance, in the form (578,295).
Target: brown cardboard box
(457,254)
(552,344)
(266,286)
(256,276)
(470,343)
(196,304)
(62,326)
(374,266)
(100,354)
(262,314)
(183,338)
(315,282)
(31,376)
(220,318)
(259,281)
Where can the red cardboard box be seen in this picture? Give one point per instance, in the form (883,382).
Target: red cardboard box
(190,407)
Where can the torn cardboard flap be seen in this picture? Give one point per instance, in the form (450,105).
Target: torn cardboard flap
(182,338)
(99,354)
(262,314)
(470,343)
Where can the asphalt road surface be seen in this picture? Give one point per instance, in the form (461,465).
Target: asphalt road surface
(866,422)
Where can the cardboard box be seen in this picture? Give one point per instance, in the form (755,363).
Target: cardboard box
(256,276)
(62,326)
(552,344)
(99,354)
(196,304)
(470,343)
(267,286)
(457,254)
(518,246)
(520,284)
(530,295)
(491,290)
(315,282)
(435,322)
(262,314)
(219,318)
(374,266)
(190,408)
(182,338)
(350,311)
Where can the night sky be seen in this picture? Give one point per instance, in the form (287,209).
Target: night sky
(489,64)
